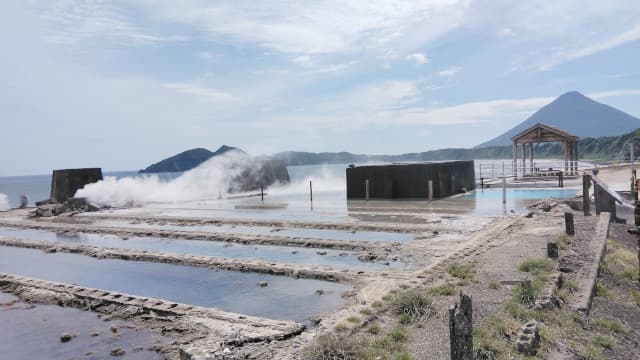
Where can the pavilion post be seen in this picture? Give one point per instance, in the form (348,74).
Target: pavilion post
(531,157)
(514,166)
(566,155)
(524,159)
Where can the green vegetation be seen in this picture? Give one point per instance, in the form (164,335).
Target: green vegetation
(353,319)
(635,294)
(536,266)
(462,271)
(413,303)
(613,325)
(373,329)
(604,341)
(447,289)
(366,312)
(592,353)
(342,327)
(389,347)
(494,285)
(334,347)
(604,292)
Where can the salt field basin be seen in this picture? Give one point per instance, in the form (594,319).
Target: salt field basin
(34,331)
(283,298)
(263,230)
(271,253)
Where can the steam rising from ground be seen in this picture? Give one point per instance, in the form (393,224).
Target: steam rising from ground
(4,202)
(207,181)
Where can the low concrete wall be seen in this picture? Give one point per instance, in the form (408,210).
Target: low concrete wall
(65,183)
(410,181)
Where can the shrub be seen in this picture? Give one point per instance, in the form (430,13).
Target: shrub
(413,303)
(447,289)
(461,271)
(536,266)
(334,347)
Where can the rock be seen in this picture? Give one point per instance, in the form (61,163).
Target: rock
(114,329)
(319,292)
(117,352)
(528,339)
(95,333)
(65,338)
(367,256)
(321,252)
(263,284)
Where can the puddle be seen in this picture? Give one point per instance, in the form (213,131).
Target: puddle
(263,230)
(283,254)
(284,298)
(29,332)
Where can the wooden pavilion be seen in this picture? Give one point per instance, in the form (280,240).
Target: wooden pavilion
(541,133)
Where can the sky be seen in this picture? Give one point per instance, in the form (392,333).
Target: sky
(123,84)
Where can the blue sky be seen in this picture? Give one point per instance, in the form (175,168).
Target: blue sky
(122,84)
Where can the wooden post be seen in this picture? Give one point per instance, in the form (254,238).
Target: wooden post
(566,155)
(561,179)
(261,192)
(524,159)
(461,329)
(569,227)
(531,157)
(311,190)
(586,203)
(514,164)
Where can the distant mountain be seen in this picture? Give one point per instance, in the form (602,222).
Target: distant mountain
(186,160)
(577,114)
(608,147)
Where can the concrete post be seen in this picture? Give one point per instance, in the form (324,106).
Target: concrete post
(504,190)
(586,183)
(366,189)
(569,227)
(552,250)
(261,191)
(461,329)
(430,191)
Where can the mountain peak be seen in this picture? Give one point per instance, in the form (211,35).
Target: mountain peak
(576,114)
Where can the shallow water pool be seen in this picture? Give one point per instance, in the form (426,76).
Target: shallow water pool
(284,298)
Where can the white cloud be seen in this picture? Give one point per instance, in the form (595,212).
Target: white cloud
(418,58)
(205,55)
(614,93)
(312,27)
(203,93)
(613,41)
(70,22)
(449,71)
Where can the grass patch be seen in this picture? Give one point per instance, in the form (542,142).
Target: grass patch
(334,347)
(604,342)
(494,285)
(405,319)
(342,327)
(398,334)
(564,242)
(592,353)
(412,303)
(536,266)
(377,304)
(447,289)
(613,325)
(604,292)
(635,294)
(462,271)
(373,329)
(366,312)
(353,319)
(621,262)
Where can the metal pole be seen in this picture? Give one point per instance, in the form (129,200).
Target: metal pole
(430,191)
(311,190)
(261,192)
(366,189)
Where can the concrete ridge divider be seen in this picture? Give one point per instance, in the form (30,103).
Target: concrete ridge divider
(226,324)
(210,236)
(404,228)
(317,272)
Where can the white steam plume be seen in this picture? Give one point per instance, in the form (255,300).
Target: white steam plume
(205,182)
(4,202)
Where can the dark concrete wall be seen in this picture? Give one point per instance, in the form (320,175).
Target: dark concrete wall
(65,183)
(410,181)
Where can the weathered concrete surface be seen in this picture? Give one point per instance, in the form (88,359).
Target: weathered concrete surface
(317,272)
(461,329)
(201,331)
(65,183)
(581,262)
